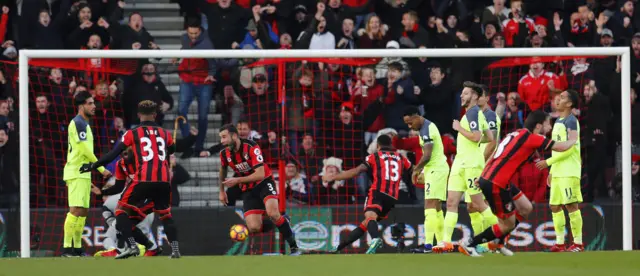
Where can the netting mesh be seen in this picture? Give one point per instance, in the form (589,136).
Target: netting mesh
(311,117)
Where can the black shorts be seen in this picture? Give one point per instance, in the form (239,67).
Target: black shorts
(500,200)
(143,197)
(253,200)
(380,203)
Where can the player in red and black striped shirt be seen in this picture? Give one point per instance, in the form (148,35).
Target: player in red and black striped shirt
(152,146)
(259,194)
(124,174)
(387,167)
(516,148)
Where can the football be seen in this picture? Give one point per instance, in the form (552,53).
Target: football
(238,232)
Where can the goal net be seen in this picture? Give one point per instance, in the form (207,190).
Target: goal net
(313,113)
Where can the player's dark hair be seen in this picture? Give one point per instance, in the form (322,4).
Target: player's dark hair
(535,118)
(411,110)
(147,107)
(474,87)
(574,97)
(384,141)
(81,98)
(485,89)
(230,128)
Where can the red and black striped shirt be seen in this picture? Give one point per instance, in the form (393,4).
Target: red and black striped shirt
(515,149)
(125,170)
(386,168)
(149,143)
(245,161)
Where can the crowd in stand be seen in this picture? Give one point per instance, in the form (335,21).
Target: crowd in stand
(332,106)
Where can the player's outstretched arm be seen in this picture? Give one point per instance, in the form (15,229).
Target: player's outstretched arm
(564,153)
(117,188)
(563,146)
(84,150)
(105,159)
(346,174)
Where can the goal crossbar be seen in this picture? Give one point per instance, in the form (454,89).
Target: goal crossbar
(25,55)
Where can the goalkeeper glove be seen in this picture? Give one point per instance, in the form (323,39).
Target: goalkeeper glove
(86,168)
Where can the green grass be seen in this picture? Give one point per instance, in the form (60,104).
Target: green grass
(599,263)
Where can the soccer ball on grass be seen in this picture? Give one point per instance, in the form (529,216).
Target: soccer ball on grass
(238,232)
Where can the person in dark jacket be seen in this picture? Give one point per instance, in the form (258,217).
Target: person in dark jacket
(596,120)
(86,28)
(226,22)
(131,36)
(438,98)
(8,170)
(414,35)
(48,32)
(147,86)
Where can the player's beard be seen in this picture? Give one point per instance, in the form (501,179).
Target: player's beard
(232,145)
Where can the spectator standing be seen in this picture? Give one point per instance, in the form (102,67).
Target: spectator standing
(299,21)
(510,111)
(196,81)
(364,92)
(85,28)
(579,74)
(335,12)
(597,117)
(347,39)
(147,85)
(48,31)
(405,95)
(414,35)
(6,119)
(495,13)
(226,21)
(518,28)
(8,170)
(130,36)
(538,87)
(316,36)
(374,35)
(438,98)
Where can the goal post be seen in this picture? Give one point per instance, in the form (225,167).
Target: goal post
(26,55)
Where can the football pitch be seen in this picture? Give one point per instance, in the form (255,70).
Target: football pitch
(599,263)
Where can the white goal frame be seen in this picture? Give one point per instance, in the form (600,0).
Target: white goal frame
(25,55)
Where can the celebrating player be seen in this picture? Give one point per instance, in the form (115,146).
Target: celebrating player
(435,170)
(515,149)
(152,145)
(114,243)
(386,166)
(566,169)
(467,167)
(80,151)
(256,182)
